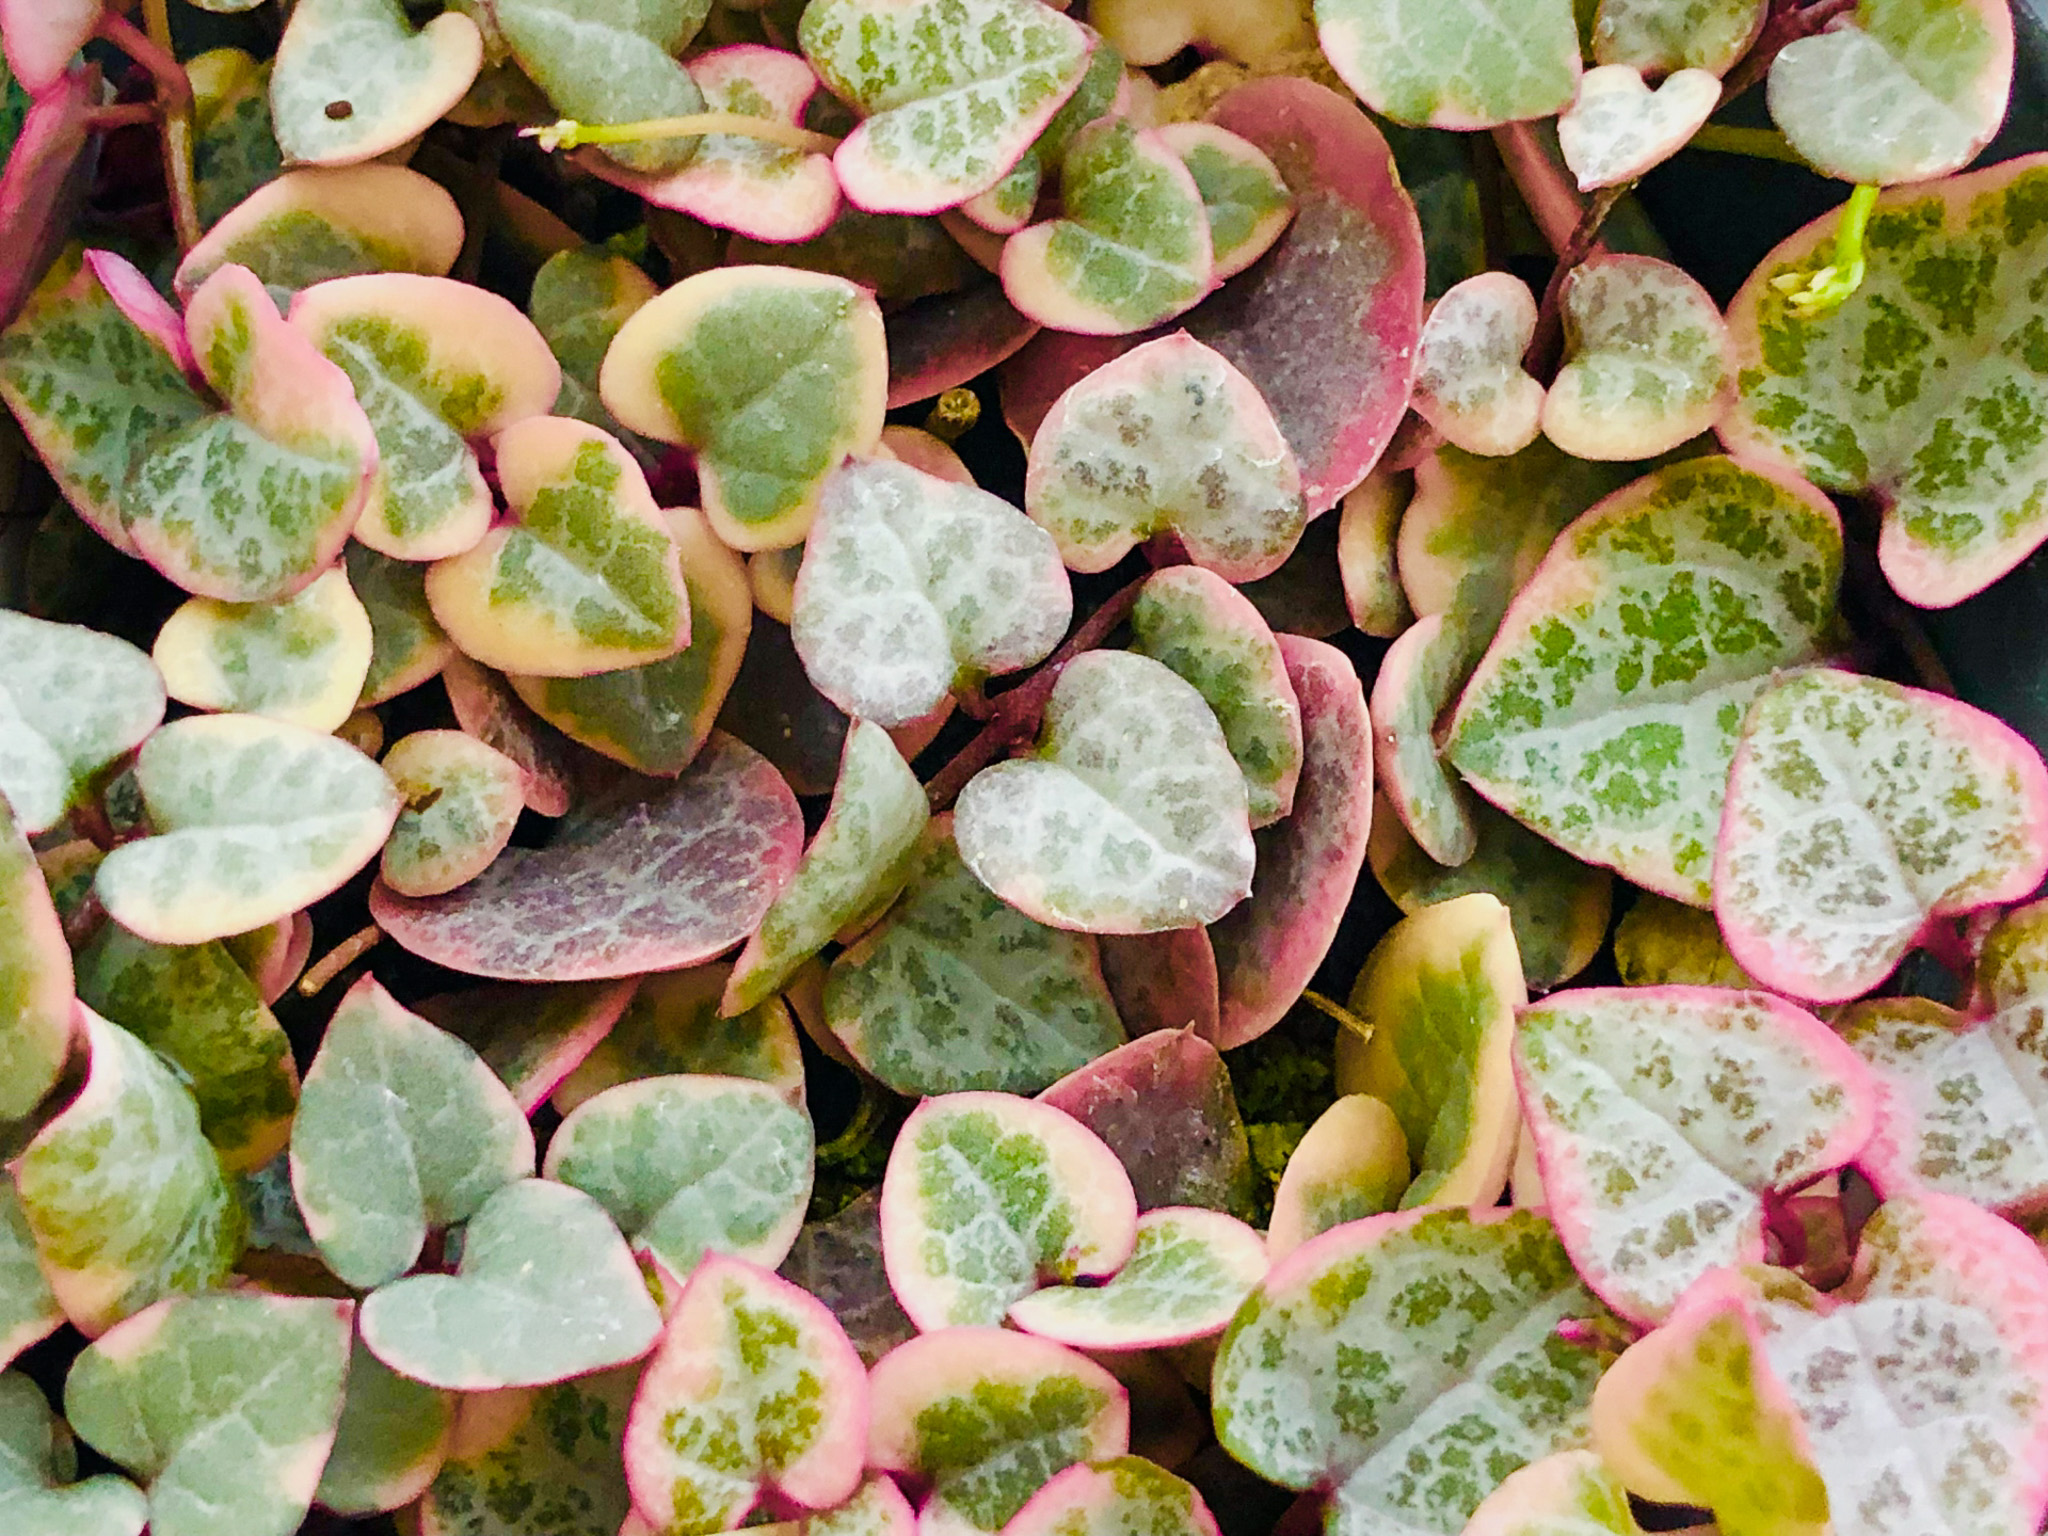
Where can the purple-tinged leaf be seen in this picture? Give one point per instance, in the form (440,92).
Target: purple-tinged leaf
(673,1025)
(486,707)
(533,1036)
(1185,1279)
(47,179)
(1162,980)
(946,340)
(1032,379)
(839,1261)
(1351,1164)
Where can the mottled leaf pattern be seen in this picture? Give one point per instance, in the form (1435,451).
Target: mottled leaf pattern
(1470,64)
(673,1024)
(536,1463)
(1419,679)
(532,1035)
(37,1463)
(840,1262)
(1618,128)
(303,660)
(28,1310)
(407,645)
(1247,202)
(1351,1164)
(1569,1494)
(1185,1279)
(1469,381)
(365,56)
(611,64)
(1660,36)
(36,1019)
(390,1443)
(1102,1498)
(462,800)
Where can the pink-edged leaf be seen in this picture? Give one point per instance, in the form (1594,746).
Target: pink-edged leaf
(1162,980)
(560,1442)
(352,79)
(486,707)
(1126,1493)
(839,1261)
(274,955)
(533,1037)
(37,1023)
(48,176)
(1419,678)
(44,36)
(1032,379)
(462,800)
(1469,380)
(147,310)
(1618,128)
(1352,1163)
(1268,948)
(1185,1279)
(946,340)
(629,885)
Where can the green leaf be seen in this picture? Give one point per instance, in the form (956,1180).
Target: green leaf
(673,1024)
(401,1131)
(1167,438)
(987,1197)
(1605,713)
(392,1439)
(864,853)
(1469,380)
(1412,1361)
(1351,1164)
(771,376)
(253,818)
(580,299)
(1367,540)
(1618,129)
(611,64)
(28,1310)
(352,79)
(1661,942)
(986,1416)
(1922,387)
(532,1035)
(1665,1119)
(952,92)
(38,1465)
(407,645)
(1126,1493)
(462,800)
(1419,678)
(36,1022)
(195,1007)
(225,1405)
(1440,993)
(1246,200)
(914,588)
(303,660)
(692,1165)
(878,1509)
(1900,90)
(546,1290)
(1131,248)
(1659,36)
(1185,1279)
(124,1195)
(536,1463)
(234,147)
(754,1389)
(1468,66)
(1858,811)
(1131,816)
(1648,363)
(1569,1494)
(72,701)
(587,579)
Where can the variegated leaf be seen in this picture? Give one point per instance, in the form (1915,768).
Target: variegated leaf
(1185,1279)
(1618,128)
(36,1020)
(540,1462)
(462,800)
(390,1443)
(1569,1494)
(1419,679)
(580,298)
(1469,380)
(72,701)
(532,1035)
(1127,1493)
(352,78)
(1351,1164)
(302,660)
(672,1024)
(839,1261)
(234,146)
(43,37)
(1469,65)
(28,1309)
(611,64)
(407,645)
(40,1492)
(1661,36)
(1368,539)
(1247,202)
(1253,32)
(1661,942)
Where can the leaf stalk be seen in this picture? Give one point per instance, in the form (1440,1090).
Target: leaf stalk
(567,133)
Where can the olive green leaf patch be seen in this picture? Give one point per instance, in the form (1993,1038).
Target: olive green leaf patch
(1419,678)
(1661,942)
(72,701)
(587,579)
(1131,248)
(1352,1163)
(234,147)
(302,659)
(1933,74)
(253,819)
(532,1035)
(1469,381)
(1248,203)
(1569,1494)
(1606,711)
(28,1311)
(437,365)
(40,1493)
(1618,128)
(390,1443)
(580,299)
(1662,36)
(1924,388)
(1185,1279)
(1473,64)
(1168,437)
(1129,818)
(692,1165)
(537,1462)
(462,800)
(951,92)
(352,78)
(1859,810)
(611,64)
(770,375)
(1126,1493)
(1009,205)
(673,1024)
(401,1131)
(913,588)
(225,1405)
(407,645)
(1648,361)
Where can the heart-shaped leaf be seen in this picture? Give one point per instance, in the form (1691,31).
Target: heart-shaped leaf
(1662,36)
(580,299)
(225,1405)
(1162,980)
(124,1195)
(1131,248)
(253,819)
(1618,128)
(462,800)
(1569,1494)
(407,645)
(436,365)
(1854,399)
(673,1025)
(1167,438)
(1605,713)
(611,64)
(1469,381)
(588,579)
(352,79)
(770,375)
(532,1036)
(1247,202)
(609,896)
(1411,1361)
(952,92)
(390,1443)
(862,856)
(1185,1279)
(302,660)
(1901,90)
(36,1019)
(38,1465)
(1858,811)
(1126,1493)
(540,1462)
(71,702)
(251,503)
(986,1416)
(311,226)
(913,587)
(1496,61)
(546,1290)
(1440,992)
(1351,1164)
(692,1165)
(1270,947)
(1648,361)
(401,1131)
(1419,678)
(198,1009)
(1666,1118)
(1130,819)
(840,1262)
(1197,624)
(753,1388)
(987,1197)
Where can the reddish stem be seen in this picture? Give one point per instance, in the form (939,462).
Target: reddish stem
(173,85)
(1788,23)
(1546,347)
(1552,198)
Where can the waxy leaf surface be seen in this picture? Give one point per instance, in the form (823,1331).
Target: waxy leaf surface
(302,660)
(36,1021)
(1185,1279)
(1469,381)
(532,1035)
(407,644)
(1660,36)
(1162,980)
(1351,1164)
(673,1024)
(1247,202)
(1618,128)
(71,702)
(1126,1493)
(462,800)
(390,1443)
(839,1261)
(1469,65)
(1569,1494)
(38,1496)
(611,64)
(28,1310)
(352,78)
(539,1462)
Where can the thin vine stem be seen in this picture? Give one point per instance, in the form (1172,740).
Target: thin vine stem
(567,133)
(1755,143)
(339,959)
(1546,347)
(174,96)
